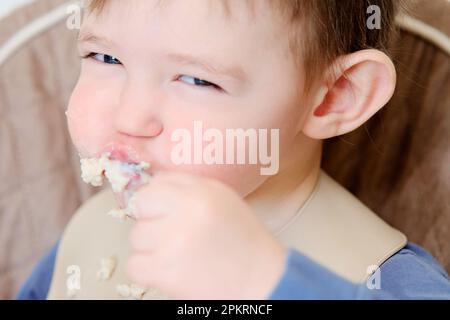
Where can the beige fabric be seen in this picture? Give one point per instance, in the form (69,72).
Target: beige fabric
(333,228)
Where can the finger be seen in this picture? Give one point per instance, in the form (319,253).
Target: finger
(156,200)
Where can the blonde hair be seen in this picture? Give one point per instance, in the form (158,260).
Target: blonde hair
(323,30)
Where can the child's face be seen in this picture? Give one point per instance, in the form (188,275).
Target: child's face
(152,92)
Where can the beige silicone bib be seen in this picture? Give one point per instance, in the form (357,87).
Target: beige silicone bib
(333,228)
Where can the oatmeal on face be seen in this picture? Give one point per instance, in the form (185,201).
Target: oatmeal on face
(125,179)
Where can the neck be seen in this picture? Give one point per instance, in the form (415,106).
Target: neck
(281,196)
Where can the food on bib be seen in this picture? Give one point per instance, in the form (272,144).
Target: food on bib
(107,268)
(130,291)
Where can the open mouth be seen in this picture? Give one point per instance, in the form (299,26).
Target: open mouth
(124,177)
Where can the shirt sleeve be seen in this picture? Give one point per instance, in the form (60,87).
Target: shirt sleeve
(37,285)
(411,273)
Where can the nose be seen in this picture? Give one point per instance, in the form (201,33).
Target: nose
(138,113)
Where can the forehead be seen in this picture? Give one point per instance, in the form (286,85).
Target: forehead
(200,24)
(229,8)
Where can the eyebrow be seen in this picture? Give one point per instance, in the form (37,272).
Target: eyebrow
(234,72)
(92,38)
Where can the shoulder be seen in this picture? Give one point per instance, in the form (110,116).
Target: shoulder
(37,285)
(412,273)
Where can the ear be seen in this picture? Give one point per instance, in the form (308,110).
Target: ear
(363,84)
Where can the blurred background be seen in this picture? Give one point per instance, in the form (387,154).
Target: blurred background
(398,164)
(6,6)
(40,186)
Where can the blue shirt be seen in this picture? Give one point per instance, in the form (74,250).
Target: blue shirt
(411,273)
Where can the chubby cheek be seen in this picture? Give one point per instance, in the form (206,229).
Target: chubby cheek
(87,121)
(243,178)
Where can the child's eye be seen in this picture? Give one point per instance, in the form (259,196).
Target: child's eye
(198,82)
(103,58)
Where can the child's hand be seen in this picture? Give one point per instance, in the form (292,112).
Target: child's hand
(196,238)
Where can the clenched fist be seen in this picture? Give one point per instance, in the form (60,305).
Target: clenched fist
(195,238)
